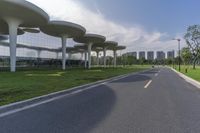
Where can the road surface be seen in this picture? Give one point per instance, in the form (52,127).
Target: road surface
(157,101)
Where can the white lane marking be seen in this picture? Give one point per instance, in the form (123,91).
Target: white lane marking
(156,74)
(78,91)
(147,85)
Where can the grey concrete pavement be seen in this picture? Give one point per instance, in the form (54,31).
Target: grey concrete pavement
(168,104)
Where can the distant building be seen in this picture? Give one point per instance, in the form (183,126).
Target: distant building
(150,55)
(170,54)
(141,54)
(131,54)
(160,55)
(134,54)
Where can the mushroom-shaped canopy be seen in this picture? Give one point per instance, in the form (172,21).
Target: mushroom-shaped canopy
(97,49)
(31,30)
(107,44)
(74,50)
(90,38)
(120,48)
(27,13)
(4,28)
(117,48)
(62,28)
(81,47)
(70,49)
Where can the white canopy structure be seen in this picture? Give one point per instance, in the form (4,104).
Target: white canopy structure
(115,49)
(63,30)
(89,40)
(19,13)
(106,45)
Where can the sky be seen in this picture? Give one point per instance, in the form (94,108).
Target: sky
(138,24)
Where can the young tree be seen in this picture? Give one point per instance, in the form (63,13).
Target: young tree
(186,55)
(192,38)
(142,61)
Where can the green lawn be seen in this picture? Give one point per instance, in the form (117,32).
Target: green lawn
(195,74)
(28,84)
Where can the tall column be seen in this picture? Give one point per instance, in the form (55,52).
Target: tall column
(85,59)
(39,53)
(115,58)
(82,55)
(97,58)
(104,56)
(57,55)
(64,40)
(13,25)
(89,55)
(69,56)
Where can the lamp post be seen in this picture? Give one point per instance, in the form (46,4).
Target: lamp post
(179,53)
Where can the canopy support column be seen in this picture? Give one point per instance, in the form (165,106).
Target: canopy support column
(13,25)
(85,59)
(64,41)
(104,57)
(39,53)
(97,58)
(115,58)
(89,55)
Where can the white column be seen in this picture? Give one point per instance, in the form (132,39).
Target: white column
(64,40)
(69,56)
(13,25)
(104,56)
(85,59)
(39,53)
(97,58)
(82,56)
(115,58)
(89,55)
(57,55)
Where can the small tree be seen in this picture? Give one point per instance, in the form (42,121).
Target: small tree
(192,38)
(142,61)
(186,55)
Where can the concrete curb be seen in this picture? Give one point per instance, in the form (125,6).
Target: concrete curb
(188,79)
(48,97)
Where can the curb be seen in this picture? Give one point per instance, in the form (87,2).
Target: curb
(59,94)
(188,79)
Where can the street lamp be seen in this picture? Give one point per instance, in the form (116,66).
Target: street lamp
(179,52)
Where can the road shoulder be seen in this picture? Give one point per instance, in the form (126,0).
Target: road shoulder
(187,79)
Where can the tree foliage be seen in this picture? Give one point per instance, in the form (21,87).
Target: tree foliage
(192,38)
(186,55)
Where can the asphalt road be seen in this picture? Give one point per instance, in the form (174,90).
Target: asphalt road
(157,101)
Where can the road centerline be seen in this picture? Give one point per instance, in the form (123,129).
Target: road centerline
(147,85)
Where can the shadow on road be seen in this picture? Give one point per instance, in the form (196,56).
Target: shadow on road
(133,78)
(79,113)
(154,71)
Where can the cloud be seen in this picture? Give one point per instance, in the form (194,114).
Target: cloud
(134,37)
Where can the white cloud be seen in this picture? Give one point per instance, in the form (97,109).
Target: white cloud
(134,37)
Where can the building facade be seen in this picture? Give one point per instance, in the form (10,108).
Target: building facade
(160,55)
(150,55)
(170,54)
(142,54)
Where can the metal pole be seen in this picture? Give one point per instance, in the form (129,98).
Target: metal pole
(179,60)
(173,58)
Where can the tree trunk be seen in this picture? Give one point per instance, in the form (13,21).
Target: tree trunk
(194,63)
